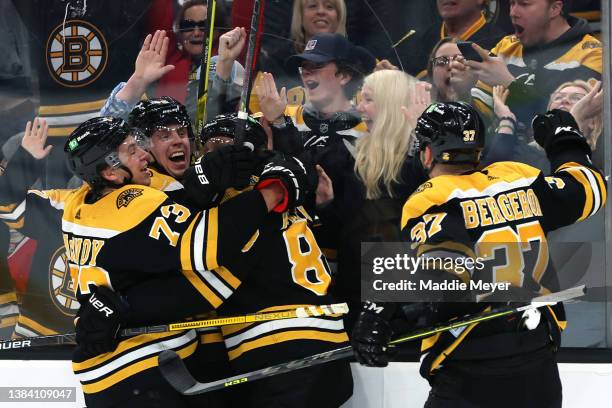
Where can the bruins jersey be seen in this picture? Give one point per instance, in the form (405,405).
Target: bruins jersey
(48,305)
(284,269)
(540,70)
(137,233)
(500,215)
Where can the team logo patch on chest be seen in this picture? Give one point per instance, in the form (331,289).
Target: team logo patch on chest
(61,286)
(126,197)
(76,53)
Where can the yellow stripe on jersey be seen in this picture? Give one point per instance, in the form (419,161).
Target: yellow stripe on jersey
(210,338)
(561,323)
(429,342)
(71,108)
(133,369)
(251,242)
(287,336)
(447,351)
(594,187)
(470,31)
(228,277)
(8,298)
(211,237)
(7,208)
(7,321)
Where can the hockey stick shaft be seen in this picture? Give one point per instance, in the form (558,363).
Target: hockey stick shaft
(175,372)
(205,66)
(69,338)
(244,95)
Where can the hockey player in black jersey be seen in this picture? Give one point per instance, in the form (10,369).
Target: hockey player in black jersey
(112,220)
(283,267)
(500,214)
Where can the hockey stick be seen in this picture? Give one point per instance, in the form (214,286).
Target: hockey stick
(176,373)
(245,93)
(205,65)
(69,338)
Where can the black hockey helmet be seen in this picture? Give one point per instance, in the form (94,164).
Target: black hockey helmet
(151,114)
(453,130)
(92,146)
(225,125)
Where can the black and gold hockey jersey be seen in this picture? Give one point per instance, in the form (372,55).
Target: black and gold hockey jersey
(540,70)
(284,268)
(137,233)
(48,305)
(499,215)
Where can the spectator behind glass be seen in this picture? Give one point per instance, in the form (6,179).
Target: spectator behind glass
(547,49)
(583,101)
(461,19)
(310,17)
(383,176)
(451,78)
(187,42)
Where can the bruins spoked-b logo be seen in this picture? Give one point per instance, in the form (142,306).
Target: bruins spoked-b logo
(61,286)
(77,53)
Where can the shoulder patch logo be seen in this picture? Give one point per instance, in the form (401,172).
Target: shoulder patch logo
(424,187)
(77,53)
(591,45)
(125,198)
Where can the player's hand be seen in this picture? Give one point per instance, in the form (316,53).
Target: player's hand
(500,94)
(272,102)
(385,64)
(35,137)
(292,175)
(370,337)
(557,130)
(99,320)
(226,166)
(492,70)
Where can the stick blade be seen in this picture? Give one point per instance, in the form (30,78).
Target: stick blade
(173,369)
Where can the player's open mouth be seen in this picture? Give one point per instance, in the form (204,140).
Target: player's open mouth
(449,3)
(177,157)
(311,84)
(196,42)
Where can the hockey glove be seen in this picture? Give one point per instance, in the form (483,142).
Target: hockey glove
(225,167)
(99,320)
(371,335)
(556,131)
(293,177)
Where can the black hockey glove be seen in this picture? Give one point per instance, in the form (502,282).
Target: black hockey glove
(371,335)
(297,180)
(99,320)
(557,130)
(225,167)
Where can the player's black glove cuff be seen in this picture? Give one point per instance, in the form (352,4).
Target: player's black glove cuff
(225,167)
(557,131)
(371,335)
(294,177)
(99,320)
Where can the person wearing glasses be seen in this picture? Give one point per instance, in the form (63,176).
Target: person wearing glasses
(450,77)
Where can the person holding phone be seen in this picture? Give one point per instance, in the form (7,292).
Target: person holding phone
(451,79)
(548,48)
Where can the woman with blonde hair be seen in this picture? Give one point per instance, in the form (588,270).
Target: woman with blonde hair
(312,17)
(369,203)
(381,155)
